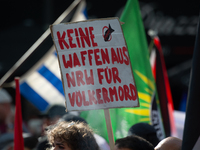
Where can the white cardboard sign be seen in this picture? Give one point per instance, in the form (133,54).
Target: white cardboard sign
(95,66)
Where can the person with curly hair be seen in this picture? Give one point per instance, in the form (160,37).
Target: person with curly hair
(71,136)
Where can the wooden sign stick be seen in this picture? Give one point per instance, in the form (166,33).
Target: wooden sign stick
(109,128)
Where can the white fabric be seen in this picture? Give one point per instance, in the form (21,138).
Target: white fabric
(101,142)
(179,117)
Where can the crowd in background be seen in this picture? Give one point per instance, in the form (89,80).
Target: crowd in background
(58,129)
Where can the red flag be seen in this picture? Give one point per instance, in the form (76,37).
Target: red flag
(18,137)
(163,88)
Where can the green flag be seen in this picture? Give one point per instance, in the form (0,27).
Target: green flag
(149,111)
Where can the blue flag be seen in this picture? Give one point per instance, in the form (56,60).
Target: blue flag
(43,85)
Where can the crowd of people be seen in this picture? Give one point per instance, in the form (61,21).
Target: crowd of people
(68,131)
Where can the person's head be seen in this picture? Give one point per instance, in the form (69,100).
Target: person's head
(43,143)
(52,114)
(171,143)
(145,131)
(5,105)
(30,141)
(72,136)
(103,145)
(133,142)
(71,117)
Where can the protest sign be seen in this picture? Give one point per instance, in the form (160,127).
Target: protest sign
(95,66)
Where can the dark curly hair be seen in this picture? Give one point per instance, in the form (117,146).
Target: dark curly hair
(77,135)
(134,142)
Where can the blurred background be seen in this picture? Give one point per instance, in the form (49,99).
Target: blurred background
(23,22)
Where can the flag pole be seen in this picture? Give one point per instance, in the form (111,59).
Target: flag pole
(37,43)
(151,33)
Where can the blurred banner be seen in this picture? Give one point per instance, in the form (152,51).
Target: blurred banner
(191,135)
(149,111)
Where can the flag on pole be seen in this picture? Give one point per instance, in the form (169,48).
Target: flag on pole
(42,85)
(149,111)
(191,135)
(163,87)
(18,134)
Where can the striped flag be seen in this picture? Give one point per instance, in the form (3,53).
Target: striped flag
(42,85)
(163,88)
